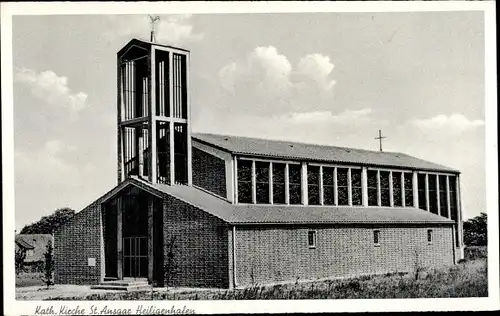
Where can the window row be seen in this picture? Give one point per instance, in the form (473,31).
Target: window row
(376,237)
(282,183)
(438,194)
(312,238)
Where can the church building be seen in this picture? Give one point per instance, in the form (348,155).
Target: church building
(205,210)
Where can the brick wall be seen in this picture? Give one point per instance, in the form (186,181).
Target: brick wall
(209,172)
(201,245)
(75,242)
(266,255)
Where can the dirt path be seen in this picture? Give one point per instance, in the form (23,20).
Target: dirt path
(41,293)
(81,291)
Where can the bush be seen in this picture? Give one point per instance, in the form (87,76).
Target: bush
(19,257)
(49,265)
(476,231)
(475,252)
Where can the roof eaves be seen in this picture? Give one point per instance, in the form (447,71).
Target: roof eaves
(369,222)
(213,145)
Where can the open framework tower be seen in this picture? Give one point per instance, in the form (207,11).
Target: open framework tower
(154,135)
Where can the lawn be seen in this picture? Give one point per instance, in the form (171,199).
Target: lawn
(25,279)
(467,279)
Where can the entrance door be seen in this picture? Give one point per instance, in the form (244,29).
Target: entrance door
(135,257)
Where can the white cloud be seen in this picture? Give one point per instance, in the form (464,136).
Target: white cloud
(227,76)
(51,88)
(317,68)
(49,156)
(455,123)
(346,117)
(170,29)
(266,68)
(269,68)
(265,81)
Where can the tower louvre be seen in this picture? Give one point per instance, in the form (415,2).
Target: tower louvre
(154,134)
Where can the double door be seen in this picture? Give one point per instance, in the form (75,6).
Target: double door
(135,257)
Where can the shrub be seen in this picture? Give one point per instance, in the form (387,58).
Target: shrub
(475,252)
(49,265)
(476,231)
(19,257)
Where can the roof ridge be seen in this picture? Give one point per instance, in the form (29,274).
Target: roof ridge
(268,147)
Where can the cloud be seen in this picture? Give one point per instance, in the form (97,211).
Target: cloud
(455,123)
(266,68)
(51,88)
(265,81)
(346,117)
(49,156)
(317,68)
(171,29)
(227,76)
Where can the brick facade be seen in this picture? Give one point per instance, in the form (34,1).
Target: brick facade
(265,255)
(77,241)
(204,257)
(201,252)
(209,172)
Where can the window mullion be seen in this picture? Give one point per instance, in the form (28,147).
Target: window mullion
(427,206)
(254,184)
(448,205)
(320,189)
(438,193)
(335,187)
(349,187)
(271,196)
(287,185)
(379,193)
(391,190)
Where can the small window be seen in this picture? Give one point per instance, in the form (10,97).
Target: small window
(376,237)
(429,236)
(311,238)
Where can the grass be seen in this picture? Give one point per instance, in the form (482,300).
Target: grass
(25,279)
(467,279)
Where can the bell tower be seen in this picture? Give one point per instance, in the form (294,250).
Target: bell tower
(154,134)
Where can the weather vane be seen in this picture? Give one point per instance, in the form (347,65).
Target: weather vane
(153,20)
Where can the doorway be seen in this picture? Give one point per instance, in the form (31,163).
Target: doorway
(133,233)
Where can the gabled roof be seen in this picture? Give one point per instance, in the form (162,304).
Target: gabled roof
(39,244)
(313,152)
(291,214)
(23,243)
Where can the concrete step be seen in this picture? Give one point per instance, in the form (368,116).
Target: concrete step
(110,279)
(124,283)
(120,287)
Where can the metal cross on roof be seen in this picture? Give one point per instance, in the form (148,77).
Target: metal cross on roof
(380,137)
(153,20)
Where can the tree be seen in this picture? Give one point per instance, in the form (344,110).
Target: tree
(49,265)
(20,256)
(476,231)
(47,224)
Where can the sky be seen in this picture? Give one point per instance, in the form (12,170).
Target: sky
(327,78)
